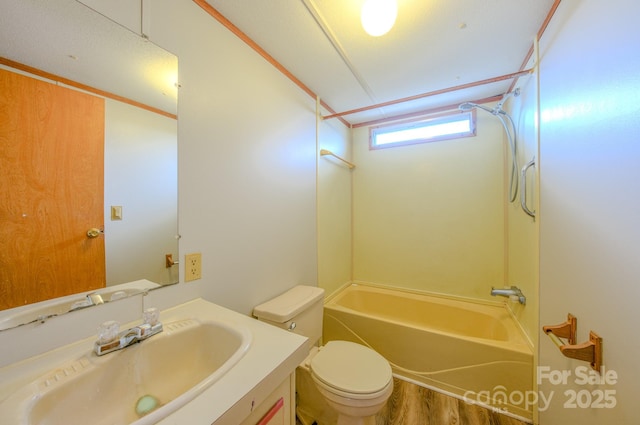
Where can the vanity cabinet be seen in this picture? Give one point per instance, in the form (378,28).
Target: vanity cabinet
(275,415)
(278,408)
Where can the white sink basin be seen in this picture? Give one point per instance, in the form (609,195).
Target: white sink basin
(172,368)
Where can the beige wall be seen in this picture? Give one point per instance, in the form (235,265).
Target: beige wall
(334,207)
(246,162)
(431,216)
(589,204)
(141,161)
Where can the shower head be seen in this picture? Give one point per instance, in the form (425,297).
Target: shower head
(467,106)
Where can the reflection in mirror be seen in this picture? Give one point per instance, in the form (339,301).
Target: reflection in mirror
(125,186)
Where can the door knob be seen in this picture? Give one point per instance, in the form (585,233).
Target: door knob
(94,232)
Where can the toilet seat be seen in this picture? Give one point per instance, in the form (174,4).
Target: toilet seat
(351,370)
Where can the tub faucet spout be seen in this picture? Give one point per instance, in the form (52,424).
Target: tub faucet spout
(512,293)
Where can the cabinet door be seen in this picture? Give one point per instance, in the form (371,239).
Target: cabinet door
(275,415)
(277,408)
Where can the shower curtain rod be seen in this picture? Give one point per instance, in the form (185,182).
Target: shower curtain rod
(432,93)
(324,152)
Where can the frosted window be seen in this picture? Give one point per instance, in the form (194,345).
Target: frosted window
(451,126)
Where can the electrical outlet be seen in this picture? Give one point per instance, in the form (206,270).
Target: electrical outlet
(193,267)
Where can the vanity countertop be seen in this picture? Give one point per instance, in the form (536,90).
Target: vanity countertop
(272,357)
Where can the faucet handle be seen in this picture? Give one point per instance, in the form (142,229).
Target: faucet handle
(108,331)
(151,316)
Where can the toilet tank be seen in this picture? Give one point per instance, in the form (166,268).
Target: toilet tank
(298,310)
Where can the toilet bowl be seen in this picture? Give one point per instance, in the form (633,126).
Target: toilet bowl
(353,380)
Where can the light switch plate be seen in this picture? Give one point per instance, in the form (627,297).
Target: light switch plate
(116,212)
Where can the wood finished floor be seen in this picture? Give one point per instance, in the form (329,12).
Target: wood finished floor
(412,404)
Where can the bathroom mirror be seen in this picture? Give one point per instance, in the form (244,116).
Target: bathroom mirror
(67,39)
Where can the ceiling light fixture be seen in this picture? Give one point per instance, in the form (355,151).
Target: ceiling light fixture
(378,16)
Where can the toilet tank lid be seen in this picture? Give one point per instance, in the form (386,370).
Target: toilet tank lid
(284,307)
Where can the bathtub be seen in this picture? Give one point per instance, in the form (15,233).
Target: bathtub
(474,351)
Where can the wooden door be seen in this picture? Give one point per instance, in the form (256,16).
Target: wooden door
(51,190)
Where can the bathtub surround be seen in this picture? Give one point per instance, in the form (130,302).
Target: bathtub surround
(430,216)
(436,217)
(521,231)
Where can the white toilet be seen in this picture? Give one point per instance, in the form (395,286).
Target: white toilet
(353,379)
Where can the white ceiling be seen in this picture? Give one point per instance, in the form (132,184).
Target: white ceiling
(434,45)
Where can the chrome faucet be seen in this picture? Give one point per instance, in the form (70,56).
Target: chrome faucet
(512,293)
(111,339)
(90,299)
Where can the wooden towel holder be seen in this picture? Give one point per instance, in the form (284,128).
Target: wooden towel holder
(590,351)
